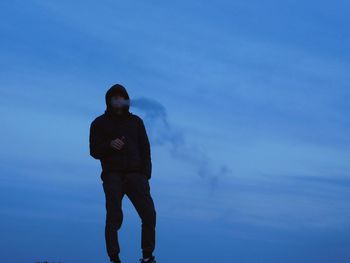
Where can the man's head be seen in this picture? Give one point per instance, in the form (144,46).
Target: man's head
(117,100)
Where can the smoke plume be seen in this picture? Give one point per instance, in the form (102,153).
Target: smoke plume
(164,133)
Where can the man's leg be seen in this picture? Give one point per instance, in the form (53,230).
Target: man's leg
(138,191)
(114,192)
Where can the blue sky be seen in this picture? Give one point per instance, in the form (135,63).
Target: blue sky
(246,106)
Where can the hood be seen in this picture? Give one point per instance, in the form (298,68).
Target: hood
(116,89)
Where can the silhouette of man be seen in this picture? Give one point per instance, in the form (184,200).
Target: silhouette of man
(118,139)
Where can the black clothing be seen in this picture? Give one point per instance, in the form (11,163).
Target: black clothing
(135,154)
(124,171)
(136,186)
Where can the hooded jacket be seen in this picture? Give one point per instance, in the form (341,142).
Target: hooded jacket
(135,154)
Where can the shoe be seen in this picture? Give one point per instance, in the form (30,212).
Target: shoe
(116,260)
(151,260)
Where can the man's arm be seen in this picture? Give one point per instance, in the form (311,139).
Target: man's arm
(99,146)
(145,150)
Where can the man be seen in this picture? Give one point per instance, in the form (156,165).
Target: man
(118,139)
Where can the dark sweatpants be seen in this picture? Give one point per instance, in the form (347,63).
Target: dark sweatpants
(136,186)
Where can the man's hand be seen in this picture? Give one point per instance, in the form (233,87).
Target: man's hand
(118,143)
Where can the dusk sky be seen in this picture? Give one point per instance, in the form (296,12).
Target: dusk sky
(246,104)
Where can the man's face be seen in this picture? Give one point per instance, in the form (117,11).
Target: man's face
(118,103)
